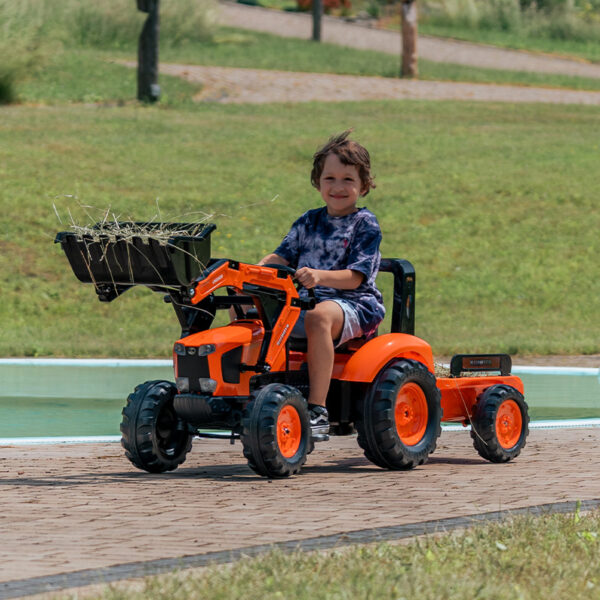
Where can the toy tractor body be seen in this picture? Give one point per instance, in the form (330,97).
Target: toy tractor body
(249,379)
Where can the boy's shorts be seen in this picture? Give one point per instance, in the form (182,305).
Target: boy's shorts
(350,330)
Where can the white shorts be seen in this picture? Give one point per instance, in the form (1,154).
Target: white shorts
(350,330)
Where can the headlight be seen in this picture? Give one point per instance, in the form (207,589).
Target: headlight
(182,384)
(208,386)
(203,350)
(206,349)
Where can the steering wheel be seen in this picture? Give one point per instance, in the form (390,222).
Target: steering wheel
(292,273)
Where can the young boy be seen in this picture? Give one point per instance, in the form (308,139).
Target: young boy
(335,250)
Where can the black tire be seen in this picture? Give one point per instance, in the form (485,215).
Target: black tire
(154,437)
(500,423)
(379,423)
(274,446)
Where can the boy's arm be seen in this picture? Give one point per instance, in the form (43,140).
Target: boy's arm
(344,279)
(273,259)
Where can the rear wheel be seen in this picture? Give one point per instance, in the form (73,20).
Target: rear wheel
(276,431)
(399,423)
(500,423)
(154,437)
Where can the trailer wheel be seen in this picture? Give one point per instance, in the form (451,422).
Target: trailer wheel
(276,431)
(500,423)
(399,421)
(154,437)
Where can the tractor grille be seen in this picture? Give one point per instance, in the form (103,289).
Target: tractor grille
(193,367)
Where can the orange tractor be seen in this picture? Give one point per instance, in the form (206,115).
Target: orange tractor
(248,379)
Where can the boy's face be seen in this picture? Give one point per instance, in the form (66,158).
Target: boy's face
(340,186)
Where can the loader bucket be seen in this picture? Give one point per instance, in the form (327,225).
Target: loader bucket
(116,256)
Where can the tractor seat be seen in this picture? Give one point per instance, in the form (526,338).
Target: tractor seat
(300,344)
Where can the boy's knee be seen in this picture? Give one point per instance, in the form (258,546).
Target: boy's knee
(324,318)
(316,321)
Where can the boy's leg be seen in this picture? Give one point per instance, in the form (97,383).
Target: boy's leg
(323,324)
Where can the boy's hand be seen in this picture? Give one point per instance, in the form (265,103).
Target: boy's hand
(344,279)
(308,277)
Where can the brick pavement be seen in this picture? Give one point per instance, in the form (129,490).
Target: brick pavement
(71,507)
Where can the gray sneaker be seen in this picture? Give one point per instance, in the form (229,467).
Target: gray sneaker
(319,419)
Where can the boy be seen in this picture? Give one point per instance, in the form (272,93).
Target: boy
(335,250)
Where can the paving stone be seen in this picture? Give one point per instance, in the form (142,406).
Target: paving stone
(70,507)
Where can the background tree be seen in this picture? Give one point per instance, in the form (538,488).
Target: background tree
(410,66)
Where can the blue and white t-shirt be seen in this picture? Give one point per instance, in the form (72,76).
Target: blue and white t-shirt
(320,241)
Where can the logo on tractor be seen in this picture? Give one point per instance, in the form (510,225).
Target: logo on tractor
(283,334)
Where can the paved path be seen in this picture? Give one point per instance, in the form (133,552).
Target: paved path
(66,508)
(232,85)
(337,31)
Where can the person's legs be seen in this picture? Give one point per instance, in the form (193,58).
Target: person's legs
(323,324)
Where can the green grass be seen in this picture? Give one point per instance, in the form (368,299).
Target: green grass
(92,75)
(526,558)
(587,50)
(238,48)
(34,32)
(495,205)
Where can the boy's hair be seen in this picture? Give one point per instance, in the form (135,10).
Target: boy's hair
(350,153)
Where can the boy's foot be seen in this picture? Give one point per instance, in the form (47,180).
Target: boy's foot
(319,419)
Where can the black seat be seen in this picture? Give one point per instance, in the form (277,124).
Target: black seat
(403,309)
(300,344)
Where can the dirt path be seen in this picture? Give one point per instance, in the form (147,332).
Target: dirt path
(337,31)
(232,85)
(67,508)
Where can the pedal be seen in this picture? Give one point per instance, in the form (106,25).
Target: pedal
(320,437)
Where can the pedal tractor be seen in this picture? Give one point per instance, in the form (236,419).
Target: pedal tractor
(248,380)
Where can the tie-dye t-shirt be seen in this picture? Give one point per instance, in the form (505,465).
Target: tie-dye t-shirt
(320,241)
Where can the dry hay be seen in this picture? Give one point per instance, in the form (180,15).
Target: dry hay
(110,247)
(111,227)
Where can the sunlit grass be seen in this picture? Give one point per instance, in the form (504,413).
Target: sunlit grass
(554,557)
(93,74)
(493,203)
(588,50)
(238,48)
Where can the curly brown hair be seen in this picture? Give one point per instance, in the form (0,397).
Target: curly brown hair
(350,153)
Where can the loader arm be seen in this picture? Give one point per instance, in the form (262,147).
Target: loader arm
(272,291)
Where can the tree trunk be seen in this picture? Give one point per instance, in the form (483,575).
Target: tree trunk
(410,66)
(148,88)
(317,12)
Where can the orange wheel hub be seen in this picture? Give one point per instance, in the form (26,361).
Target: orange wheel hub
(509,424)
(289,431)
(411,414)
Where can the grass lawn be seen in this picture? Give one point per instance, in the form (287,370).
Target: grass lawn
(85,75)
(587,50)
(494,204)
(92,75)
(238,48)
(528,558)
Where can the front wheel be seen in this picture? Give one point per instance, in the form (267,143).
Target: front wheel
(399,421)
(500,423)
(154,437)
(276,431)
